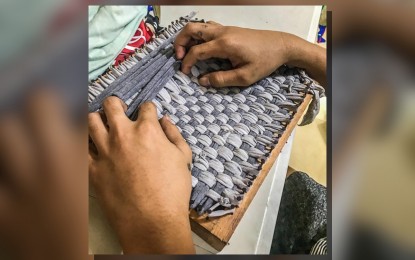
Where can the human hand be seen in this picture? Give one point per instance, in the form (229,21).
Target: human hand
(254,54)
(141,174)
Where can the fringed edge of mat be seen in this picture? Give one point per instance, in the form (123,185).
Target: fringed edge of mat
(98,86)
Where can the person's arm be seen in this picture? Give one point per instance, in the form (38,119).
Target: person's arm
(254,54)
(141,172)
(308,56)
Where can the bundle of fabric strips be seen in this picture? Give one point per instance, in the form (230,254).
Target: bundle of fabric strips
(231,131)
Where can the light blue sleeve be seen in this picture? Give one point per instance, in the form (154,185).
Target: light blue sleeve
(110,29)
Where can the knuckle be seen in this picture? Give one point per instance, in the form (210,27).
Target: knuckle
(147,108)
(112,102)
(194,51)
(108,101)
(203,51)
(244,81)
(223,41)
(244,78)
(214,23)
(148,105)
(216,79)
(231,41)
(190,27)
(146,126)
(227,42)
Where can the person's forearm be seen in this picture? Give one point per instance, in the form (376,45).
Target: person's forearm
(162,234)
(308,56)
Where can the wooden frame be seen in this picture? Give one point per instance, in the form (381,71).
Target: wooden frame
(218,231)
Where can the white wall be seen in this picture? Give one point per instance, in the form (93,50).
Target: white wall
(298,20)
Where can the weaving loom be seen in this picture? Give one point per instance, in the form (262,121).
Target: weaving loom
(231,131)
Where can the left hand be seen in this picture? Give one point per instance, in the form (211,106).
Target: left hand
(141,173)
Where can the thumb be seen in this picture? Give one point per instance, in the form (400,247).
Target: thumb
(239,77)
(174,136)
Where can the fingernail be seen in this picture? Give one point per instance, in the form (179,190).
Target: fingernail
(204,81)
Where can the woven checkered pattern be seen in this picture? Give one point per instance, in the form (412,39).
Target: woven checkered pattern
(231,131)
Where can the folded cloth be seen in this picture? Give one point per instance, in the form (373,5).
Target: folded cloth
(110,29)
(153,23)
(141,36)
(302,217)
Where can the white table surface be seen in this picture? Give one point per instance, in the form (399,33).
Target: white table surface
(255,231)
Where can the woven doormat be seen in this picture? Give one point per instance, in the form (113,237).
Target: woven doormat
(231,131)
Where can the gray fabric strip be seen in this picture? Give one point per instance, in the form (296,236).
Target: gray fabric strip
(134,85)
(154,85)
